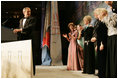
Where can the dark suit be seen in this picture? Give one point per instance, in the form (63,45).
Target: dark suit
(30,23)
(27,33)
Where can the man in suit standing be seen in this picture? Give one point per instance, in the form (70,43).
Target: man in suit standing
(26,28)
(27,23)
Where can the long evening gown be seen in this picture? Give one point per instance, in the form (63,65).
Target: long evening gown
(89,53)
(101,32)
(73,62)
(80,50)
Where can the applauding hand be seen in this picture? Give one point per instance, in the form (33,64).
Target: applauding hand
(93,39)
(64,35)
(101,47)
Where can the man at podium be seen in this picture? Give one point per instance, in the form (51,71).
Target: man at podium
(25,30)
(26,25)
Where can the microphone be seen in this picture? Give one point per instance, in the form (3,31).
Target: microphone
(3,23)
(12,29)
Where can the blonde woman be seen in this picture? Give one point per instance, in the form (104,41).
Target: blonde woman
(89,53)
(111,58)
(101,37)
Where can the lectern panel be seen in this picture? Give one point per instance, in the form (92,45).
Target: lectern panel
(16,59)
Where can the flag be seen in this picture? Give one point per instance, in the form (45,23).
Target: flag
(46,60)
(42,20)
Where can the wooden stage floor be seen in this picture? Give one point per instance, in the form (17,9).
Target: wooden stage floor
(60,72)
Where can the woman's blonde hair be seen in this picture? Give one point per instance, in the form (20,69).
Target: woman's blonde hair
(101,11)
(97,11)
(88,18)
(104,12)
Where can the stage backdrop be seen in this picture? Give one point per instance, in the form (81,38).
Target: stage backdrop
(83,8)
(55,43)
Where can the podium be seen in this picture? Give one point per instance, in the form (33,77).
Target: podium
(16,59)
(7,35)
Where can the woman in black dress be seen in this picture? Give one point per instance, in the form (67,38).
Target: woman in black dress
(89,53)
(101,48)
(101,37)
